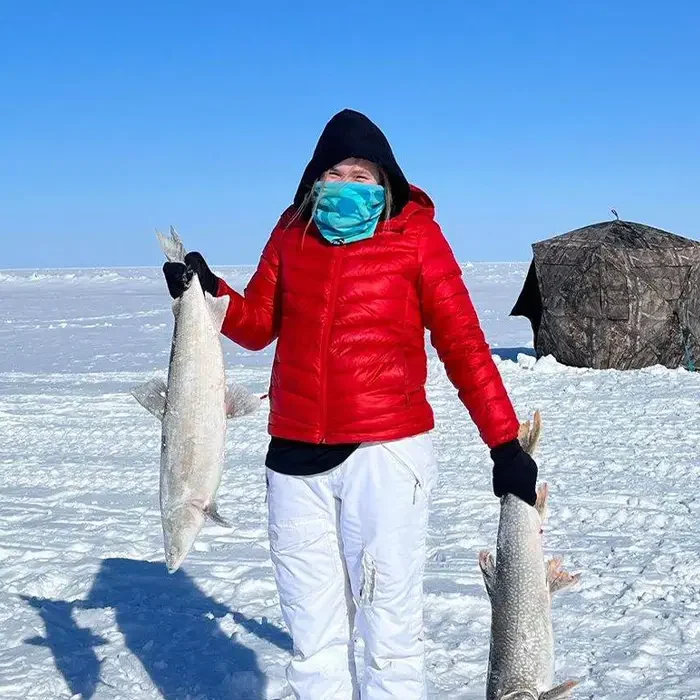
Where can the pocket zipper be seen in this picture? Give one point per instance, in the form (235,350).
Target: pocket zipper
(405,466)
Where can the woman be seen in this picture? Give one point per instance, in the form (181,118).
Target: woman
(351,276)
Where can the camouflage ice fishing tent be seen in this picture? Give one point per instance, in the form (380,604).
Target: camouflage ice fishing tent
(615,295)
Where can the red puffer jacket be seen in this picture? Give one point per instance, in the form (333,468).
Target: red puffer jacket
(350,363)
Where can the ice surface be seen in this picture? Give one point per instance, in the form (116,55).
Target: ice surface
(87,609)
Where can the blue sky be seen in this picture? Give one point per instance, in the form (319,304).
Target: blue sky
(521,119)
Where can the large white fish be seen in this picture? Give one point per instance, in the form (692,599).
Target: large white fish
(520,584)
(193,408)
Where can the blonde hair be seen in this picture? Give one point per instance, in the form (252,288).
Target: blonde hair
(309,203)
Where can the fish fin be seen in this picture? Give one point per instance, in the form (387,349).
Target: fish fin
(172,246)
(529,433)
(524,433)
(151,396)
(535,432)
(488,570)
(557,578)
(240,402)
(213,514)
(218,306)
(561,691)
(541,502)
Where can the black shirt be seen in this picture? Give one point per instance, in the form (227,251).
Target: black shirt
(304,458)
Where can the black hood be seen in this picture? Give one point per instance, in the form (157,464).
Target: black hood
(350,134)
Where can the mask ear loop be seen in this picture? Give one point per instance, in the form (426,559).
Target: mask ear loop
(309,199)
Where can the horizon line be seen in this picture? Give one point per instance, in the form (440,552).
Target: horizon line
(158,267)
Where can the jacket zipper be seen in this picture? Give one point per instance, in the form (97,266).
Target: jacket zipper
(325,340)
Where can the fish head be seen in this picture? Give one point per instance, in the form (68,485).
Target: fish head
(180,531)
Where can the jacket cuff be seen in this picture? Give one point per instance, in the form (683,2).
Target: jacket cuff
(506,451)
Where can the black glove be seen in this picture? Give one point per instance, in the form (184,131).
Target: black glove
(178,275)
(514,471)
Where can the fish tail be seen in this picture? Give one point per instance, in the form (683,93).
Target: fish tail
(172,245)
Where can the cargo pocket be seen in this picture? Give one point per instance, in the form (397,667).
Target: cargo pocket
(304,557)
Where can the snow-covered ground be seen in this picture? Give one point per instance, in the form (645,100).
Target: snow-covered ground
(87,609)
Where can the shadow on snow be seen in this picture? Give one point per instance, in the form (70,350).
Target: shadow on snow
(169,624)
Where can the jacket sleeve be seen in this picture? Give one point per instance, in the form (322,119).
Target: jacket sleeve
(456,334)
(252,319)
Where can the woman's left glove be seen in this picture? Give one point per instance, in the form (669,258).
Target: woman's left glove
(514,471)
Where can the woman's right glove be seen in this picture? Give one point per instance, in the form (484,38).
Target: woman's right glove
(514,471)
(178,275)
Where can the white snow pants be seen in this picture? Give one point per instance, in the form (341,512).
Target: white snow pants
(348,547)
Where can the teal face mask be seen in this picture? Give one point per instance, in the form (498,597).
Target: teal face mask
(346,212)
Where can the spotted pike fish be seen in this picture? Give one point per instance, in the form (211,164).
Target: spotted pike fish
(193,408)
(520,584)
